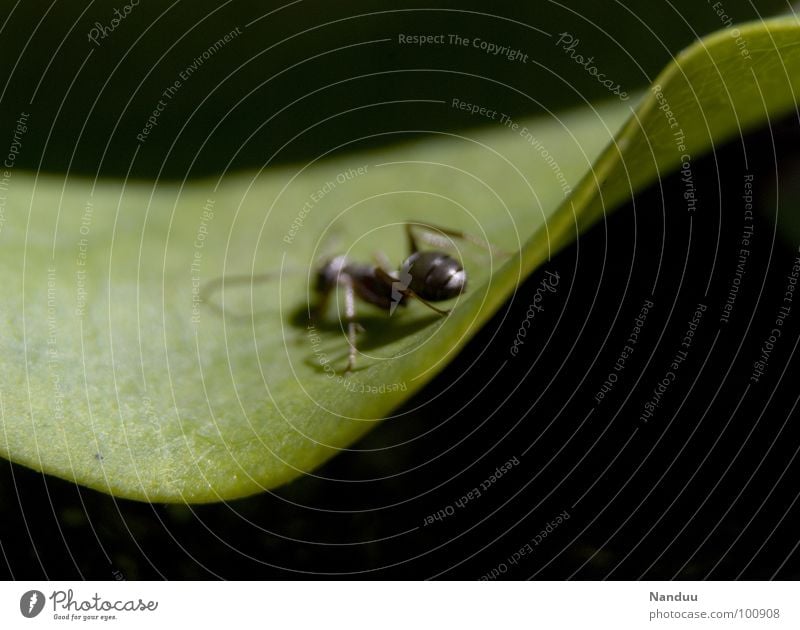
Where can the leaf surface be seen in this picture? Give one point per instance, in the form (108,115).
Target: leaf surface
(115,374)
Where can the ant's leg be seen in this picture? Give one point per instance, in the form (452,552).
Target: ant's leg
(412,242)
(433,235)
(441,311)
(328,277)
(352,325)
(382,261)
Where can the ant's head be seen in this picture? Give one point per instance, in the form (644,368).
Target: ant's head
(434,276)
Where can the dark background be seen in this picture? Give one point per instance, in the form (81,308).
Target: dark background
(705,489)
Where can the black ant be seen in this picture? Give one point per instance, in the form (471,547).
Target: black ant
(428,276)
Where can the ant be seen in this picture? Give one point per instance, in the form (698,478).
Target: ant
(428,276)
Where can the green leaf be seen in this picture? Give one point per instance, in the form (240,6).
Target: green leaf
(116,377)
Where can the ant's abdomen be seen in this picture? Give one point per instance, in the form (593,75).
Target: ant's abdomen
(435,276)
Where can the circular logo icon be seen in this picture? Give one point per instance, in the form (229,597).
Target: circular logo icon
(31,603)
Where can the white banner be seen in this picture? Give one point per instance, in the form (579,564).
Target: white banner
(400,605)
